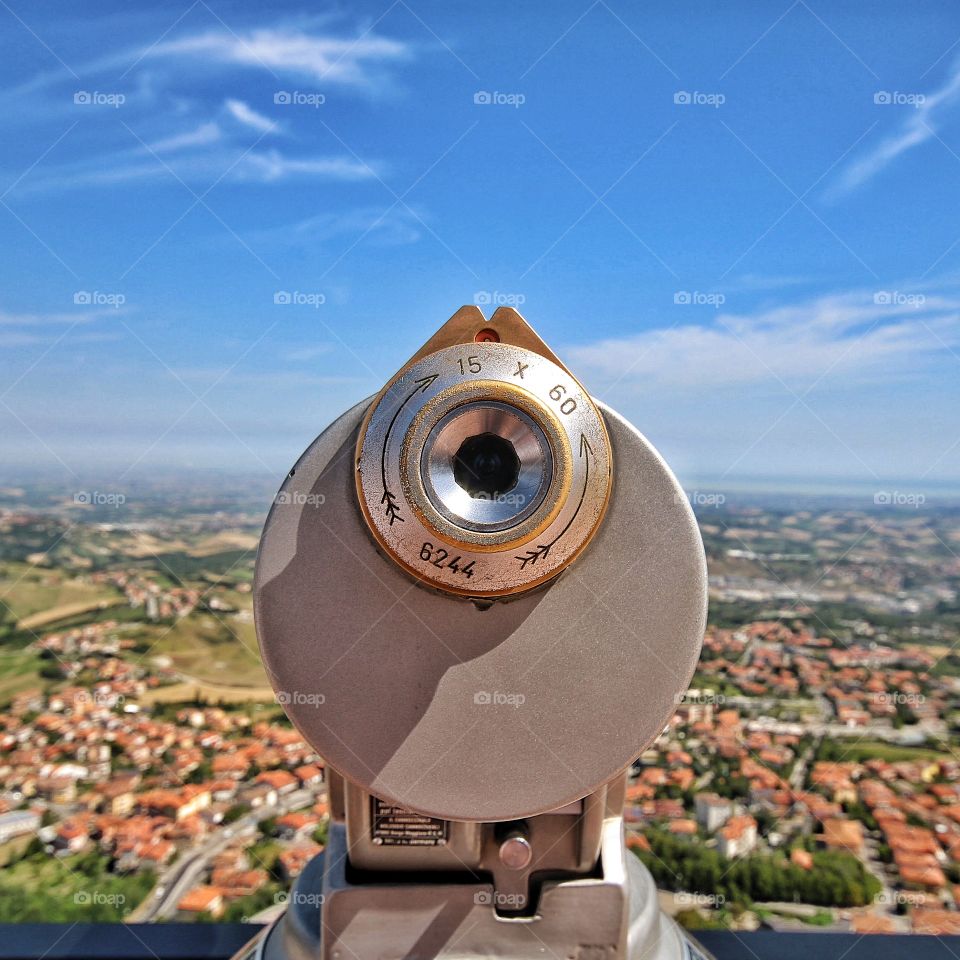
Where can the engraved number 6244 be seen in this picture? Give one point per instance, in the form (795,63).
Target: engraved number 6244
(441,558)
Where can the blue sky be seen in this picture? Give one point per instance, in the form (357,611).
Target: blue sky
(737,224)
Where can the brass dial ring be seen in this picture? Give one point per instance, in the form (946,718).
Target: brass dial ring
(440,515)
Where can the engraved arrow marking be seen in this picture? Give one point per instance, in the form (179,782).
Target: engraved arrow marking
(543,550)
(389,499)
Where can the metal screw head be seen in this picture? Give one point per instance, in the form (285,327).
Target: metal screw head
(516,852)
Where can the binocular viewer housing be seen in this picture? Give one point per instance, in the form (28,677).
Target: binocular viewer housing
(479,596)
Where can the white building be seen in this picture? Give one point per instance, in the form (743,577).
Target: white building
(713,811)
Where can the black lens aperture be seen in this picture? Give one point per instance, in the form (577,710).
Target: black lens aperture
(486,465)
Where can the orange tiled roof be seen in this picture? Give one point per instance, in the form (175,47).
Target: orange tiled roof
(199,899)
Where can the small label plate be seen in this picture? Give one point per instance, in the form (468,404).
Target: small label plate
(393,826)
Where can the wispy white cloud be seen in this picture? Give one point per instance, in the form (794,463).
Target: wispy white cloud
(921,123)
(271,165)
(230,378)
(291,53)
(42,319)
(384,226)
(21,338)
(245,114)
(31,329)
(850,337)
(765,281)
(231,162)
(55,318)
(308,352)
(201,136)
(182,102)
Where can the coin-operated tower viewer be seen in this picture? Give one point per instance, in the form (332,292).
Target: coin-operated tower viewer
(479,596)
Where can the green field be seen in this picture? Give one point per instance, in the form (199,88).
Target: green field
(41,888)
(858,751)
(218,649)
(190,565)
(26,591)
(19,671)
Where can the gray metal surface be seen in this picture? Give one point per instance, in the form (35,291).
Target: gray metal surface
(565,843)
(613,916)
(466,713)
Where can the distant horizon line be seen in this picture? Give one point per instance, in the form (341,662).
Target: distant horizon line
(899,491)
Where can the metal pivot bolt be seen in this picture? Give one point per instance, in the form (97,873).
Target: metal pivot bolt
(516,852)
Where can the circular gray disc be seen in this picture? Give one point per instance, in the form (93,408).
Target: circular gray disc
(463,713)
